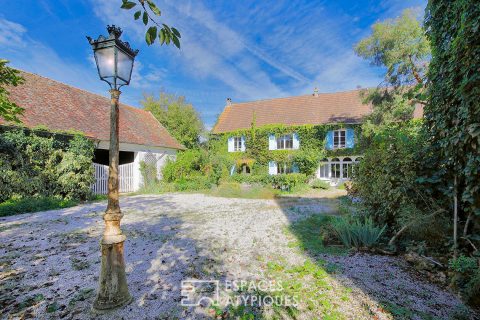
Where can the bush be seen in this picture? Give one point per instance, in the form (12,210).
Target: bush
(319,184)
(23,205)
(195,165)
(45,165)
(467,278)
(354,232)
(387,176)
(287,181)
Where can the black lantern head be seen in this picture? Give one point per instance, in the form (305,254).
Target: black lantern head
(114,58)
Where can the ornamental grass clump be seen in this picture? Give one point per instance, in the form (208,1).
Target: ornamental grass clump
(357,233)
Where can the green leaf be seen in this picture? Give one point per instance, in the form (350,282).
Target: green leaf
(151,35)
(161,36)
(128,5)
(137,14)
(153,7)
(167,28)
(175,32)
(145,17)
(176,42)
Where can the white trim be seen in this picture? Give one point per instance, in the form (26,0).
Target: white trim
(335,181)
(105,145)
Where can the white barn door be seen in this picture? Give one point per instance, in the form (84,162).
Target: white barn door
(125,176)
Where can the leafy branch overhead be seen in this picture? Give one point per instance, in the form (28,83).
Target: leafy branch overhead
(147,12)
(9,110)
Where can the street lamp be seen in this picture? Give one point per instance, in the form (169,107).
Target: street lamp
(114,59)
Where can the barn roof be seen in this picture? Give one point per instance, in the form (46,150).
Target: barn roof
(62,107)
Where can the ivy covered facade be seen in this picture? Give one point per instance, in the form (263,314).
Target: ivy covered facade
(268,136)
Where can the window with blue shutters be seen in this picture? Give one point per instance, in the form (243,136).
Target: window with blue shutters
(339,139)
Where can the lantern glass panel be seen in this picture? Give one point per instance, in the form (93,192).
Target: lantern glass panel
(124,67)
(105,58)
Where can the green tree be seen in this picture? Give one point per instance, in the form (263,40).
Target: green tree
(148,11)
(401,47)
(9,77)
(178,116)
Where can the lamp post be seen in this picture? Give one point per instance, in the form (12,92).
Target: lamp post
(114,59)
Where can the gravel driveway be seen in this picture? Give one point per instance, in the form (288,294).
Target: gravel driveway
(50,261)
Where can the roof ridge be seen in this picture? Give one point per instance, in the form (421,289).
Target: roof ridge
(299,96)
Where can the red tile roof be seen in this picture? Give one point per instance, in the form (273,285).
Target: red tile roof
(61,107)
(339,107)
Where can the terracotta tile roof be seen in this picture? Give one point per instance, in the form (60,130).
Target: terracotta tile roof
(339,107)
(61,107)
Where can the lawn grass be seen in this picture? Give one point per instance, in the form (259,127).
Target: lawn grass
(236,190)
(313,235)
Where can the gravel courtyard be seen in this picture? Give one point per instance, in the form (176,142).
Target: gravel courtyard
(50,262)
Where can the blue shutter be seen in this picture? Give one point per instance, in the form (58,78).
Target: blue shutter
(329,145)
(272,167)
(243,144)
(350,137)
(272,142)
(296,141)
(230,144)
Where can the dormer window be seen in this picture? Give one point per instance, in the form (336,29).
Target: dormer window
(285,142)
(339,139)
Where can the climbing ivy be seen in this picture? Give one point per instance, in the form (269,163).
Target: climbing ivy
(452,116)
(312,146)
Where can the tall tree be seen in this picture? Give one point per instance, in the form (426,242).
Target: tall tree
(401,47)
(9,111)
(178,116)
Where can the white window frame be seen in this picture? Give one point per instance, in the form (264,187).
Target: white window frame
(283,168)
(338,169)
(337,139)
(282,142)
(237,144)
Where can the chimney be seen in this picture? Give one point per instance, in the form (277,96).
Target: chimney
(229,101)
(315,92)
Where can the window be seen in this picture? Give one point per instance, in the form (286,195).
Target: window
(335,168)
(324,169)
(347,169)
(237,143)
(283,168)
(285,142)
(339,139)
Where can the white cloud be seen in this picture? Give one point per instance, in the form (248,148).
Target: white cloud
(11,33)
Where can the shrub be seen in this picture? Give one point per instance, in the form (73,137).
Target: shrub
(354,232)
(319,184)
(149,173)
(387,176)
(42,164)
(287,181)
(467,278)
(23,205)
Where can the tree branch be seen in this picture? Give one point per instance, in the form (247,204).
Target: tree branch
(415,71)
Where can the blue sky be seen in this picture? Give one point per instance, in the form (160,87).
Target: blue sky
(245,49)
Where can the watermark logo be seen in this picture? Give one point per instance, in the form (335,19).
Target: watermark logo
(237,293)
(199,292)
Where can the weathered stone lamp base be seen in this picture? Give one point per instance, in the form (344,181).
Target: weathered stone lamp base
(113,290)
